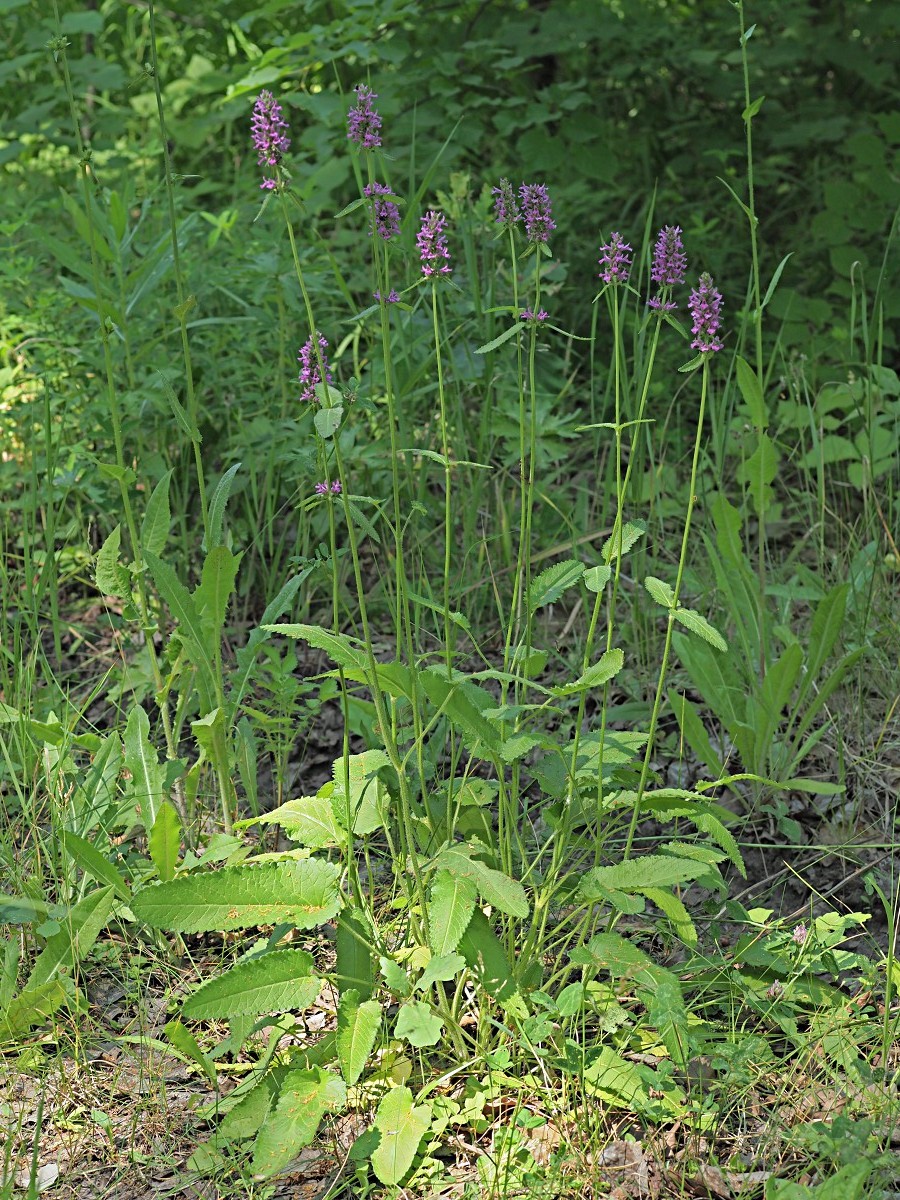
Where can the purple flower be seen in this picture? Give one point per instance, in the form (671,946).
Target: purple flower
(506,207)
(800,934)
(669,266)
(363,122)
(706,310)
(536,211)
(323,489)
(268,129)
(391,298)
(431,243)
(528,315)
(385,213)
(615,259)
(309,369)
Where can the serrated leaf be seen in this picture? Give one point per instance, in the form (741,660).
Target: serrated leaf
(273,983)
(638,874)
(211,597)
(111,577)
(217,508)
(310,820)
(699,625)
(518,746)
(338,646)
(402,1127)
(303,893)
(157,517)
(631,532)
(675,911)
(550,584)
(357,1028)
(355,968)
(395,977)
(304,1099)
(601,672)
(74,939)
(494,887)
(449,911)
(147,787)
(164,840)
(616,1081)
(441,969)
(612,952)
(596,578)
(32,1006)
(418,1024)
(660,591)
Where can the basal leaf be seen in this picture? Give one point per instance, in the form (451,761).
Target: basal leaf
(304,1099)
(401,1126)
(164,841)
(550,584)
(357,1028)
(273,983)
(418,1024)
(303,893)
(494,887)
(449,911)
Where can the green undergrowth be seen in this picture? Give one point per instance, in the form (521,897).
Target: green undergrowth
(448,684)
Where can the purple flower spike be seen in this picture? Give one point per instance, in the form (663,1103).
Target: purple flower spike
(528,315)
(536,211)
(269,131)
(321,489)
(363,122)
(669,266)
(385,213)
(799,934)
(706,311)
(309,369)
(506,207)
(336,488)
(392,297)
(431,243)
(615,259)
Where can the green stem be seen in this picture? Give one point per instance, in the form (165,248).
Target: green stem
(657,702)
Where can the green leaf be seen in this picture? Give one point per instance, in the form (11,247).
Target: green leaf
(827,623)
(494,887)
(550,584)
(93,863)
(613,953)
(211,597)
(148,778)
(758,471)
(112,578)
(338,646)
(355,969)
(328,420)
(184,609)
(303,893)
(418,1024)
(273,983)
(675,911)
(179,411)
(182,1039)
(310,820)
(357,1028)
(631,532)
(32,1006)
(449,911)
(164,840)
(305,1098)
(660,591)
(486,958)
(401,1127)
(74,939)
(463,702)
(752,109)
(395,977)
(694,732)
(616,1081)
(847,1183)
(157,517)
(638,874)
(770,290)
(601,672)
(217,508)
(499,340)
(440,969)
(596,578)
(699,625)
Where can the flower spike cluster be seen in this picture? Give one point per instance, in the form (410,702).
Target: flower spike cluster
(310,376)
(268,129)
(668,268)
(615,259)
(431,242)
(323,489)
(705,305)
(363,121)
(536,211)
(506,207)
(385,213)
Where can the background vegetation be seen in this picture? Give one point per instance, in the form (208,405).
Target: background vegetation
(157,482)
